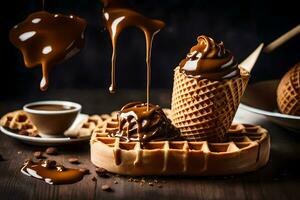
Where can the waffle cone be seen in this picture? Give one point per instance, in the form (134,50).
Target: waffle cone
(204,109)
(288,92)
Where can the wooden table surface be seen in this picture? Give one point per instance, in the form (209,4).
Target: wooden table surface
(278,180)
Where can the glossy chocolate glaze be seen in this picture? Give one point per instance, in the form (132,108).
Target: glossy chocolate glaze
(209,60)
(118,16)
(51,173)
(138,124)
(51,107)
(48,39)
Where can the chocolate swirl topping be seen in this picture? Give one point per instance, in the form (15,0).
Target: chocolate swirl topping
(139,125)
(210,60)
(48,39)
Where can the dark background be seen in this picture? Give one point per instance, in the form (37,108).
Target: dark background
(242,25)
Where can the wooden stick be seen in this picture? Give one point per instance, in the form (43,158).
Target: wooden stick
(282,39)
(250,61)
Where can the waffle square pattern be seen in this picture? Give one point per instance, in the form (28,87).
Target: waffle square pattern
(246,149)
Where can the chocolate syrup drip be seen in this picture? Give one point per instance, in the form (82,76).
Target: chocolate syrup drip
(210,60)
(139,125)
(117,17)
(51,173)
(48,39)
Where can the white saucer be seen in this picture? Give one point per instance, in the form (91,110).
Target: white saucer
(260,98)
(43,141)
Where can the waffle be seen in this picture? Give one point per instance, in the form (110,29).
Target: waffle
(246,149)
(203,110)
(288,92)
(19,121)
(86,127)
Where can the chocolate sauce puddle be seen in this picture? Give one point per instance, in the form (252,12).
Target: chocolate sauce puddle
(51,173)
(48,39)
(118,16)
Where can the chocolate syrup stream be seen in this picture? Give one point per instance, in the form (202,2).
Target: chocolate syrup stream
(117,17)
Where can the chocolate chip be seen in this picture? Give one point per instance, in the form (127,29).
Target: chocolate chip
(73,160)
(38,154)
(84,170)
(60,168)
(106,188)
(130,179)
(102,172)
(50,164)
(150,184)
(94,179)
(116,182)
(51,151)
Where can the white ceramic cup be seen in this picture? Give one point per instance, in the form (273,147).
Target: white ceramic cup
(52,123)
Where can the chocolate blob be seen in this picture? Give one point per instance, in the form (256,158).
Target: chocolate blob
(118,16)
(51,173)
(209,60)
(48,39)
(138,124)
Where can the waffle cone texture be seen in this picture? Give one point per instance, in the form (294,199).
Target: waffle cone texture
(203,110)
(288,92)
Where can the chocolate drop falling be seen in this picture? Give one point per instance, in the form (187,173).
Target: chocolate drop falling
(117,17)
(48,39)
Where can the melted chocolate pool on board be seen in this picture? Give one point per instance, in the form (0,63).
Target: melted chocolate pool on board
(51,173)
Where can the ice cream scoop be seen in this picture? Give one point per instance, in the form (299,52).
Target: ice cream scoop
(138,124)
(209,59)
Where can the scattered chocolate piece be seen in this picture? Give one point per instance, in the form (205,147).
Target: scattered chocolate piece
(38,154)
(60,168)
(84,170)
(51,151)
(94,179)
(73,160)
(116,182)
(150,184)
(102,172)
(106,188)
(50,164)
(130,179)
